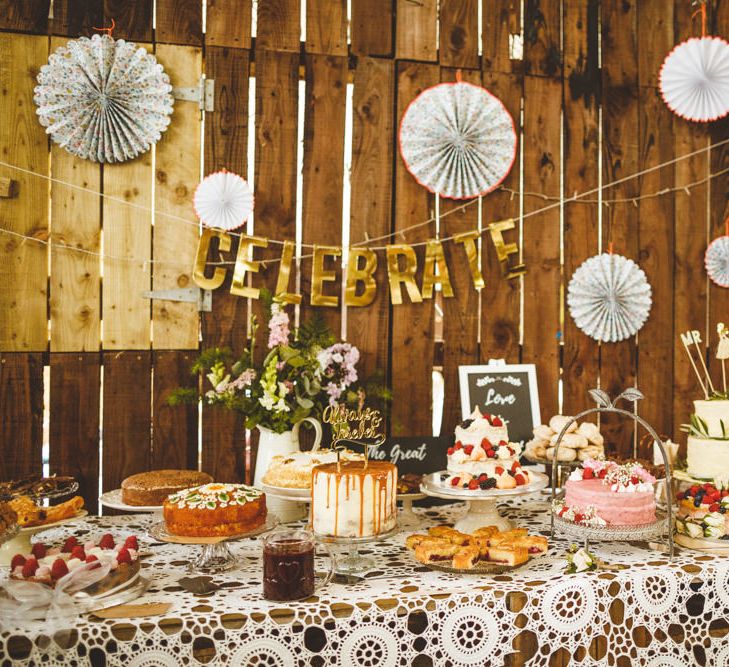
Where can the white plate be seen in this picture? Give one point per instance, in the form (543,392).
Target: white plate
(300,495)
(113,500)
(433,486)
(36,529)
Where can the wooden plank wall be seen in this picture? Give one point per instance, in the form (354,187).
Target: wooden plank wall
(584,117)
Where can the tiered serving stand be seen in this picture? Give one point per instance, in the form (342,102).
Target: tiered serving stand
(663,525)
(481,510)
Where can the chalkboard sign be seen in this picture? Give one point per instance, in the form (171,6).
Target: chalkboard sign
(507,390)
(420,455)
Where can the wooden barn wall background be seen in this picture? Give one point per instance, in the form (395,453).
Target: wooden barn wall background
(584,95)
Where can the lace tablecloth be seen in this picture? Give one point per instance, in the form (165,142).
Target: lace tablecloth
(655,613)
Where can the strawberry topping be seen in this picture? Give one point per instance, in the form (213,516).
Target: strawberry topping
(473,484)
(468,449)
(515,466)
(106,541)
(714,507)
(132,543)
(499,470)
(455,481)
(39,550)
(78,552)
(587,473)
(495,421)
(459,445)
(451,450)
(59,568)
(520,479)
(124,556)
(69,544)
(31,565)
(18,559)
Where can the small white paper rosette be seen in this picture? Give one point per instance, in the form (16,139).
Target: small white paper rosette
(694,79)
(458,140)
(609,297)
(716,261)
(103,99)
(223,200)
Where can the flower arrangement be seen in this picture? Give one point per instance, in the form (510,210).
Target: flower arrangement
(304,370)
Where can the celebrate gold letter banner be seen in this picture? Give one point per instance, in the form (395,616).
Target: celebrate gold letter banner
(360,279)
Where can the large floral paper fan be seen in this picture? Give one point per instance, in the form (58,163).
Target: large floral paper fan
(223,200)
(694,79)
(458,140)
(609,297)
(716,261)
(103,99)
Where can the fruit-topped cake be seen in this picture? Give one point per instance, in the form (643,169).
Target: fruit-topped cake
(703,512)
(48,564)
(215,510)
(482,456)
(619,495)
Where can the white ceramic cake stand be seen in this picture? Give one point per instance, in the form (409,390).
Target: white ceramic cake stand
(354,562)
(296,501)
(408,518)
(481,510)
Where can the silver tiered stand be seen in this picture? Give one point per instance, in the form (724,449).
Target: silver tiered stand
(662,524)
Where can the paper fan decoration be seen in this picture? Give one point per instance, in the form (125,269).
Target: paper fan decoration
(458,140)
(716,261)
(609,297)
(103,99)
(223,200)
(694,79)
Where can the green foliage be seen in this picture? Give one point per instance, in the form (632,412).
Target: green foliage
(315,333)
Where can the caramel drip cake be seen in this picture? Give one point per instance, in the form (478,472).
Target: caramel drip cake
(354,498)
(151,488)
(215,510)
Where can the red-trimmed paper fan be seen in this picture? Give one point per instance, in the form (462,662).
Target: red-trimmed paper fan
(223,200)
(694,79)
(458,140)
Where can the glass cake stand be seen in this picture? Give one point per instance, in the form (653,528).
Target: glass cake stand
(354,562)
(482,510)
(214,555)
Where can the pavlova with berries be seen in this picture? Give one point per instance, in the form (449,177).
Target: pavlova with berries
(482,456)
(703,511)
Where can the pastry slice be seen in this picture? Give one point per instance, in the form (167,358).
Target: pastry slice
(450,534)
(412,541)
(433,552)
(508,555)
(512,534)
(535,544)
(486,531)
(466,558)
(483,546)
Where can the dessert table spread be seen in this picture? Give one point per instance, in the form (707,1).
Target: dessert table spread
(653,612)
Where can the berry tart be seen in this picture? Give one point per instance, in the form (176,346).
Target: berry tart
(703,512)
(46,564)
(482,456)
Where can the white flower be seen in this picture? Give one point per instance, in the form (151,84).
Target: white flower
(337,358)
(582,560)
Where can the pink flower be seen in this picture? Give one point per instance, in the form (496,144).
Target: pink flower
(278,327)
(245,379)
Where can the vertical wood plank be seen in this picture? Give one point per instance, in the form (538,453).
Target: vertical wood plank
(179,22)
(177,173)
(72,18)
(127,245)
(371,27)
(323,174)
(459,33)
(174,436)
(416,31)
(581,92)
(542,105)
(25,16)
(133,20)
(23,143)
(21,414)
(412,323)
(228,23)
(460,313)
(655,340)
(620,158)
(326,27)
(76,221)
(373,143)
(500,299)
(74,421)
(126,415)
(279,25)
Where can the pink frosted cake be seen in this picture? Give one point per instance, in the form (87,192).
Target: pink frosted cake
(605,493)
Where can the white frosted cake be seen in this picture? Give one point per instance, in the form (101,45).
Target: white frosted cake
(354,499)
(482,456)
(294,470)
(708,441)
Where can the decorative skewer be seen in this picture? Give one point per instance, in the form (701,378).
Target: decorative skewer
(722,350)
(687,339)
(697,339)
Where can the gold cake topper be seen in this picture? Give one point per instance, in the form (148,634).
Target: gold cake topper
(355,427)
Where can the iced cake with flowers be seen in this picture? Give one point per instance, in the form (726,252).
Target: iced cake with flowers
(619,495)
(215,510)
(118,557)
(482,456)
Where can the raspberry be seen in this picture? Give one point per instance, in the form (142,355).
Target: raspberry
(59,568)
(106,541)
(69,544)
(714,507)
(468,449)
(39,550)
(123,556)
(490,453)
(455,480)
(18,559)
(483,477)
(31,565)
(715,496)
(587,473)
(680,495)
(635,480)
(132,543)
(495,421)
(451,450)
(694,489)
(708,486)
(78,552)
(473,484)
(499,470)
